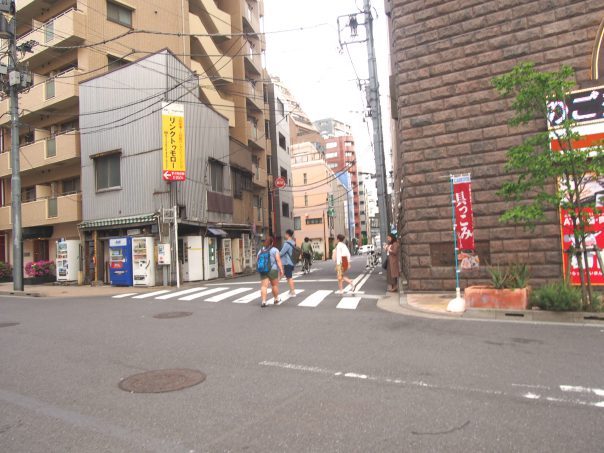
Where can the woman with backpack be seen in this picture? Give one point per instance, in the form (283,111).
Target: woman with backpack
(288,260)
(270,268)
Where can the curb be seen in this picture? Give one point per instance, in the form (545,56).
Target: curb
(21,294)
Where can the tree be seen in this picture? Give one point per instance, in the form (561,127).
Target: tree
(547,179)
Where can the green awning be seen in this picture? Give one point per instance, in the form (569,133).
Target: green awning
(143,219)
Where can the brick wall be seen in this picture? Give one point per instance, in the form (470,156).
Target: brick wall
(451,120)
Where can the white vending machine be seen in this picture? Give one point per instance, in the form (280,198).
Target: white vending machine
(247,251)
(192,253)
(68,260)
(237,255)
(143,261)
(210,258)
(227,253)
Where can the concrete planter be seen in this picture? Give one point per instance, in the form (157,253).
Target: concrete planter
(503,299)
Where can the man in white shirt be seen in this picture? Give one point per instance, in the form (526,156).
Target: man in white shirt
(341,255)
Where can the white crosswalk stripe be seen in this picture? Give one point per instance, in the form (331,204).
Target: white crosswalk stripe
(349,303)
(315,298)
(180,293)
(249,298)
(153,294)
(228,294)
(201,294)
(283,297)
(122,296)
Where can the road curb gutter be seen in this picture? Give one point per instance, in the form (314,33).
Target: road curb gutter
(21,293)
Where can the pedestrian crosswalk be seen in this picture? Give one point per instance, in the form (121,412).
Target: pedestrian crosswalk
(248,295)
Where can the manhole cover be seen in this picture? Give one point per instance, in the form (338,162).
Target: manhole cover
(173,314)
(160,381)
(8,324)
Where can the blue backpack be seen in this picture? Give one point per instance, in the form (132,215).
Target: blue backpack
(263,265)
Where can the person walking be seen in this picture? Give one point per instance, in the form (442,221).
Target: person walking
(392,270)
(270,268)
(287,253)
(307,254)
(341,256)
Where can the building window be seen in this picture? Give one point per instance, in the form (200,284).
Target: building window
(217,176)
(115,62)
(315,221)
(305,178)
(51,147)
(70,186)
(3,257)
(119,14)
(28,194)
(331,155)
(331,145)
(241,181)
(107,171)
(52,208)
(267,129)
(282,141)
(41,250)
(284,174)
(297,223)
(363,222)
(285,210)
(349,154)
(280,107)
(49,89)
(334,165)
(268,165)
(49,31)
(349,144)
(305,200)
(3,148)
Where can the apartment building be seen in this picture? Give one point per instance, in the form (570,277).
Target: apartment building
(72,41)
(278,131)
(320,203)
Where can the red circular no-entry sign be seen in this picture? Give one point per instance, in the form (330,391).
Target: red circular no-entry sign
(280,183)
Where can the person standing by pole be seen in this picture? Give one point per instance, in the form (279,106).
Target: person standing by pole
(341,256)
(287,253)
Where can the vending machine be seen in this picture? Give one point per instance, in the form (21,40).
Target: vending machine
(192,264)
(210,258)
(247,251)
(237,255)
(120,261)
(227,254)
(68,260)
(143,261)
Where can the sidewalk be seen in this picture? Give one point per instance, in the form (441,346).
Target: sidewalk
(434,305)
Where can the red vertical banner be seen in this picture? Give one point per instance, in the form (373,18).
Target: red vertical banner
(464,216)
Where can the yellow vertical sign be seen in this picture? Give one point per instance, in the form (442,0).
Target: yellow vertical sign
(173,142)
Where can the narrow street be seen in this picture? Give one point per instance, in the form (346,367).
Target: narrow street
(299,378)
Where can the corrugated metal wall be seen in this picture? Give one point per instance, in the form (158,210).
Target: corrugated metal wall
(122,111)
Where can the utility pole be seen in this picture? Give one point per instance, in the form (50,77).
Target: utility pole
(15,84)
(373,99)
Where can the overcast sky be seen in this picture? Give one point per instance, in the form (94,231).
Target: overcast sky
(319,75)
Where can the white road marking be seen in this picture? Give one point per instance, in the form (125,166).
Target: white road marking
(529,386)
(228,294)
(579,389)
(349,303)
(180,293)
(122,296)
(315,298)
(422,384)
(207,292)
(283,297)
(153,294)
(247,299)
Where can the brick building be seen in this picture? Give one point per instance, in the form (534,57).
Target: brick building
(449,119)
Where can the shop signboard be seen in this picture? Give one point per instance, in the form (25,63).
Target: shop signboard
(173,142)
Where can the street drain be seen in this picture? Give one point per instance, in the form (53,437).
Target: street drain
(160,381)
(8,324)
(173,314)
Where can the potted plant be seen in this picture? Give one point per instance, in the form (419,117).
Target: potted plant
(40,272)
(6,272)
(509,289)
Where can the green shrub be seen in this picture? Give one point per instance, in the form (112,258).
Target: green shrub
(558,296)
(509,277)
(318,256)
(6,270)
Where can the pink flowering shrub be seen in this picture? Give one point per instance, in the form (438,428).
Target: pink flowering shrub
(40,268)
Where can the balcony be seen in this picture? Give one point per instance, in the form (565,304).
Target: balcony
(217,21)
(49,211)
(253,63)
(259,179)
(59,150)
(251,21)
(66,29)
(254,95)
(46,96)
(215,64)
(253,136)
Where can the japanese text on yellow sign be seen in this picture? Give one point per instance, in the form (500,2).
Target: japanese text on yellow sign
(173,142)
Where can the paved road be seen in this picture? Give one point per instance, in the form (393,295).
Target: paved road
(293,378)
